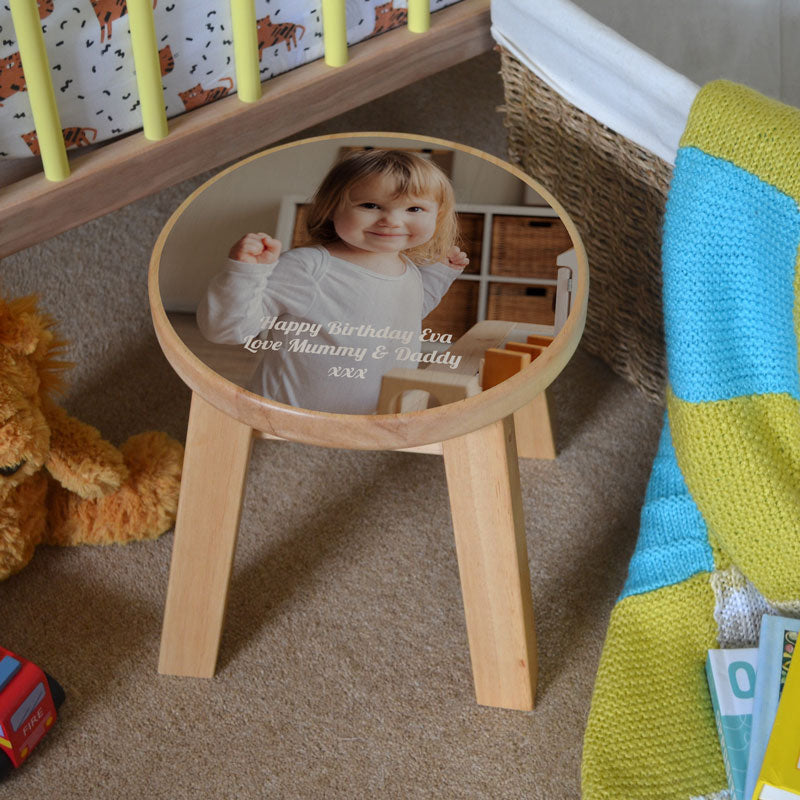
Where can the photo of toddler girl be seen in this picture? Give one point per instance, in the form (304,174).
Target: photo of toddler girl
(383,229)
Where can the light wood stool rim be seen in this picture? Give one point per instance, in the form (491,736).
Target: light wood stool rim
(377,431)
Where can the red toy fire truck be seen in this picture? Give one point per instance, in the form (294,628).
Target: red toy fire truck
(29,698)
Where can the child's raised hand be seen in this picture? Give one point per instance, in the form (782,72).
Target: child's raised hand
(457,259)
(256,248)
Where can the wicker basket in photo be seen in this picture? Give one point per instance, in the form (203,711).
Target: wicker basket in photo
(515,303)
(527,246)
(457,311)
(615,192)
(470,233)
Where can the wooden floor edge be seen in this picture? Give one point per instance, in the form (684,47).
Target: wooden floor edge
(112,176)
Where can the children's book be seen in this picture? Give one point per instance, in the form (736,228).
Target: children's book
(779,778)
(771,793)
(732,681)
(775,648)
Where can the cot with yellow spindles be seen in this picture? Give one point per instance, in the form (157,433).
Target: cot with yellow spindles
(160,149)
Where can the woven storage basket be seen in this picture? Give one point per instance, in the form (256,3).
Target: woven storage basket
(457,312)
(615,192)
(470,232)
(522,246)
(536,304)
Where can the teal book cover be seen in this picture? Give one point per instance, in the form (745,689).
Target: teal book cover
(775,649)
(732,682)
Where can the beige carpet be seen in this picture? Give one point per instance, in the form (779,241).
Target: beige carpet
(344,670)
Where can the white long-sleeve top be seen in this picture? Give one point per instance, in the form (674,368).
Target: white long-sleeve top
(325,329)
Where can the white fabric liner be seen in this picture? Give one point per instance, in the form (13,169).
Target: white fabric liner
(597,70)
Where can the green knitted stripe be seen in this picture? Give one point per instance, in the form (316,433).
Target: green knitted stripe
(748,495)
(651,732)
(721,124)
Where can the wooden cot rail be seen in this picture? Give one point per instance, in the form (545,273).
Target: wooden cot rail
(147,68)
(118,173)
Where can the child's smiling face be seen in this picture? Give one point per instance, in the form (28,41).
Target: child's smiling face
(375,220)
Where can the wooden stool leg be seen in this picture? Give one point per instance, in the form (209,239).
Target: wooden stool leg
(535,429)
(214,471)
(483,481)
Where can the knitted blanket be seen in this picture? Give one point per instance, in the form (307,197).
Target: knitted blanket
(719,541)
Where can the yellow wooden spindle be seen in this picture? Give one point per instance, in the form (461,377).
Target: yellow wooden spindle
(245,49)
(148,68)
(419,16)
(334,32)
(41,95)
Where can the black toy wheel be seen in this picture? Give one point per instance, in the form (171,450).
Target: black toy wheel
(5,765)
(55,690)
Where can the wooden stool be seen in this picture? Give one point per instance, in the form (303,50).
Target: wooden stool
(475,435)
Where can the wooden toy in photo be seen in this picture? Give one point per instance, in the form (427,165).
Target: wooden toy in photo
(443,387)
(534,421)
(486,361)
(29,699)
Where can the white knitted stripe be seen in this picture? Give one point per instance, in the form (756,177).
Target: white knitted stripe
(788,609)
(722,795)
(739,608)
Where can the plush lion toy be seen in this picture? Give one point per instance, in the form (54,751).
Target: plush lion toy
(60,481)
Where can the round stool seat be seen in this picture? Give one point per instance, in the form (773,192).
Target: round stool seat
(356,431)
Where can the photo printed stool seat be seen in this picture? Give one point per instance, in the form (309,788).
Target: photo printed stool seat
(475,435)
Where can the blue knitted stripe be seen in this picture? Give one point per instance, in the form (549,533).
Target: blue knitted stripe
(666,478)
(730,332)
(673,540)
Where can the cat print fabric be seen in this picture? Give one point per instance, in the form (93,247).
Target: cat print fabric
(91,59)
(388,17)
